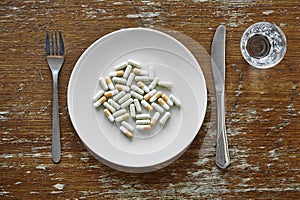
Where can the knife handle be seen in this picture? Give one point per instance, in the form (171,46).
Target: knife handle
(222,154)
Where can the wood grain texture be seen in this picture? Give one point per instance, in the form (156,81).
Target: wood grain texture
(262,112)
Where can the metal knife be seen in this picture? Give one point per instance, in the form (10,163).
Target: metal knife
(218,70)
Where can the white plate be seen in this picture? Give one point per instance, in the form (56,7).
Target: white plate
(172,62)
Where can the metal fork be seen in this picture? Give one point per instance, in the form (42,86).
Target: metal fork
(55,54)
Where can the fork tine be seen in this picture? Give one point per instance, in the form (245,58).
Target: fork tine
(52,41)
(47,44)
(61,44)
(56,43)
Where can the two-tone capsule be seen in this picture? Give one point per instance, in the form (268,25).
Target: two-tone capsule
(108,115)
(143,127)
(121,87)
(154,119)
(122,117)
(147,105)
(163,104)
(150,94)
(109,83)
(140,72)
(166,99)
(116,73)
(126,132)
(100,102)
(143,86)
(111,93)
(98,95)
(156,96)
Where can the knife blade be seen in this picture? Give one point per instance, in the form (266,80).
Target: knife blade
(218,71)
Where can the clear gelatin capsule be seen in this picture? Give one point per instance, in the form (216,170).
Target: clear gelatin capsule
(153,83)
(137,89)
(157,107)
(126,103)
(137,105)
(119,95)
(132,110)
(136,95)
(143,116)
(166,84)
(120,66)
(103,84)
(119,112)
(142,121)
(134,63)
(114,104)
(119,80)
(130,79)
(127,71)
(124,98)
(164,118)
(175,100)
(142,78)
(109,107)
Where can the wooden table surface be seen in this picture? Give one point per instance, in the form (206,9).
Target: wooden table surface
(262,106)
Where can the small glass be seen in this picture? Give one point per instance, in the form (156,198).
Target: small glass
(263,45)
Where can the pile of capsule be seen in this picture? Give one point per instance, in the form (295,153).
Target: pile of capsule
(126,90)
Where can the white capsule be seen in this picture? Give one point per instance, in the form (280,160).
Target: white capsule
(124,98)
(109,107)
(100,102)
(119,95)
(164,118)
(108,115)
(153,83)
(126,132)
(157,107)
(130,79)
(163,104)
(136,95)
(122,87)
(116,73)
(143,127)
(119,80)
(151,73)
(143,86)
(103,84)
(155,119)
(98,95)
(147,105)
(137,89)
(122,117)
(156,96)
(166,99)
(111,93)
(149,94)
(143,116)
(120,66)
(126,103)
(137,105)
(127,71)
(119,113)
(140,72)
(175,100)
(166,84)
(132,110)
(141,78)
(134,63)
(142,121)
(109,83)
(127,126)
(114,104)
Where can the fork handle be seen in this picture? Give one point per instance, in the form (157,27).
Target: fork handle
(56,146)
